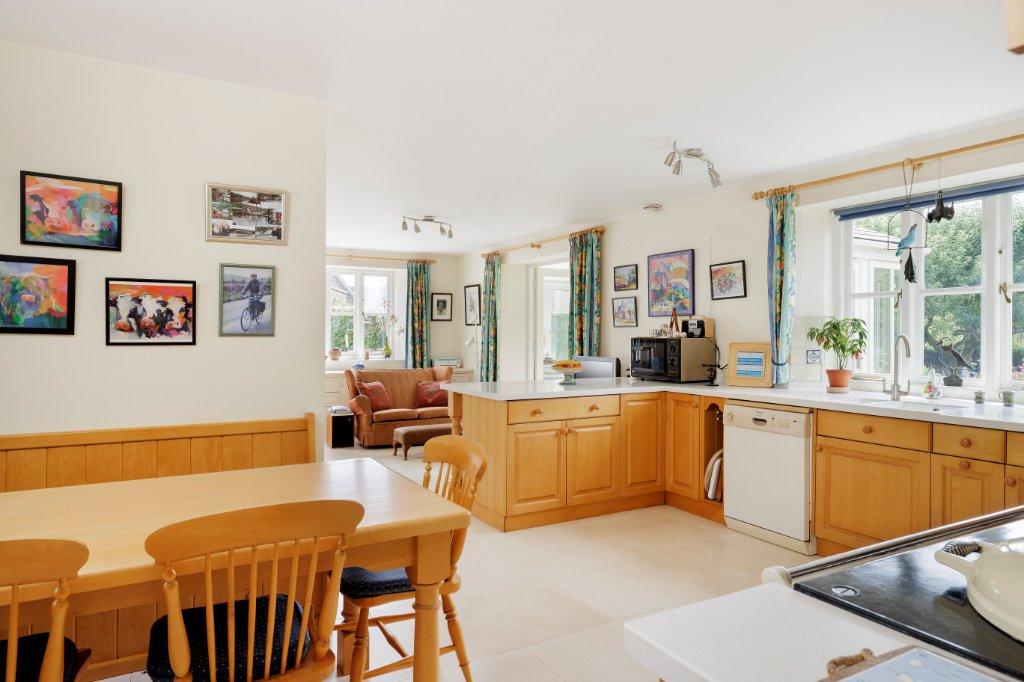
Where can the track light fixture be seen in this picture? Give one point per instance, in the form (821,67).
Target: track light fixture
(444,227)
(674,160)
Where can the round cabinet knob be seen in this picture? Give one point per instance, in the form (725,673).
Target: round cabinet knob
(819,448)
(1010,482)
(965,442)
(868,429)
(964,464)
(594,408)
(537,412)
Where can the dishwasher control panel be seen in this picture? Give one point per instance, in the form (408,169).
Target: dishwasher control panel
(767,419)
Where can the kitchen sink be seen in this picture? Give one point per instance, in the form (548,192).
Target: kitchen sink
(910,404)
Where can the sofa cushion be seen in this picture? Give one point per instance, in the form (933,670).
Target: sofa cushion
(401,383)
(431,412)
(394,415)
(378,394)
(430,394)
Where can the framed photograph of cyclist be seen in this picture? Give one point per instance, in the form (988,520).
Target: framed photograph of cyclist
(150,312)
(247,297)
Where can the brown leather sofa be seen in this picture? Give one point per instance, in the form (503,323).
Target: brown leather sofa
(375,428)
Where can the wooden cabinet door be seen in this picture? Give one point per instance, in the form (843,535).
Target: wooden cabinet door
(685,470)
(964,488)
(1013,496)
(535,478)
(643,437)
(865,493)
(591,460)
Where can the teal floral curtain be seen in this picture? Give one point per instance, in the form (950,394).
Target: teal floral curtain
(489,318)
(585,292)
(781,282)
(417,314)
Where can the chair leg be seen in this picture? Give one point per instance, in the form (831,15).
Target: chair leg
(455,632)
(360,653)
(349,613)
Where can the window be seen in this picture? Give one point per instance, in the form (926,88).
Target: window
(359,302)
(550,320)
(965,314)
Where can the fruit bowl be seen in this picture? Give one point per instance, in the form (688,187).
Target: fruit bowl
(568,369)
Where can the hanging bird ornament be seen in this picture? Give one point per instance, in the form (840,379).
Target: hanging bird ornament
(907,241)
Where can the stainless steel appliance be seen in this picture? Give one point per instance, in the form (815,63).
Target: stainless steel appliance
(667,358)
(598,367)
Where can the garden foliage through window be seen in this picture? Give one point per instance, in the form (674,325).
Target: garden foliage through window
(357,302)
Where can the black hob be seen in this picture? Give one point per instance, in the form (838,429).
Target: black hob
(915,594)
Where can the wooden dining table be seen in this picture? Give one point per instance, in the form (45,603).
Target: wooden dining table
(404,526)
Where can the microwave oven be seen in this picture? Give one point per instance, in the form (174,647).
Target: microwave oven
(664,358)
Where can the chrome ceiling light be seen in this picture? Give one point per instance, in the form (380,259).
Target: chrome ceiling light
(444,226)
(674,160)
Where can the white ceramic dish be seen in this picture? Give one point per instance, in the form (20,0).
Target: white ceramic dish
(995,580)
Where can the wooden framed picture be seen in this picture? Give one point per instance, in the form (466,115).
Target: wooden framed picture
(150,312)
(750,364)
(472,295)
(37,295)
(62,210)
(248,300)
(247,215)
(729,280)
(670,283)
(624,311)
(441,307)
(625,277)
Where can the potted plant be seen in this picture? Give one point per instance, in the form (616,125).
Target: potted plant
(845,337)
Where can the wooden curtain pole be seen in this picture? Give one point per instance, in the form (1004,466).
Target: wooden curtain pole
(537,243)
(915,162)
(353,256)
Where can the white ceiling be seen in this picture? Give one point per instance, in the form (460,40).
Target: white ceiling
(514,118)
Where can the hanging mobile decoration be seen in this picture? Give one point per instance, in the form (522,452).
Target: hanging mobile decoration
(907,242)
(942,210)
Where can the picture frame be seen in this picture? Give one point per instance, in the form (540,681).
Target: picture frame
(71,212)
(626,277)
(441,307)
(728,280)
(242,308)
(244,214)
(37,295)
(750,364)
(150,312)
(624,311)
(670,283)
(471,294)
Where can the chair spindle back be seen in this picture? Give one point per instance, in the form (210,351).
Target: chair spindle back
(462,463)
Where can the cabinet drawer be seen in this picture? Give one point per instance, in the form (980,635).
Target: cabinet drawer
(903,433)
(1015,449)
(555,409)
(971,442)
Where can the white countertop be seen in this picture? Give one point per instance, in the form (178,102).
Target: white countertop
(963,412)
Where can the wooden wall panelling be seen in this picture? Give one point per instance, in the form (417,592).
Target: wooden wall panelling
(104,463)
(172,457)
(293,448)
(238,452)
(97,631)
(206,454)
(266,450)
(65,466)
(26,469)
(3,471)
(139,460)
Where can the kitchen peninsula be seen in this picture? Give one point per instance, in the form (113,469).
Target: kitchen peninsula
(882,469)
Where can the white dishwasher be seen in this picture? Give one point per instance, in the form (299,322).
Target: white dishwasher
(769,474)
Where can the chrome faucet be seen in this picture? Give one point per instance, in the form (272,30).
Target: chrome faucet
(896,393)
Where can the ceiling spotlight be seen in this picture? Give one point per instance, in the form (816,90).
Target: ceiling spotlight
(442,230)
(405,225)
(450,233)
(670,159)
(653,207)
(416,227)
(677,168)
(674,160)
(444,227)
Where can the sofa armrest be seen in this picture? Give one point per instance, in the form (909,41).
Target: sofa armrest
(360,405)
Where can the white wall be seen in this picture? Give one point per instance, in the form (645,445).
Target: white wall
(163,135)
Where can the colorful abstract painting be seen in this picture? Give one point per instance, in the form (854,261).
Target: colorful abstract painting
(145,312)
(625,277)
(37,295)
(624,311)
(670,283)
(728,280)
(251,215)
(58,210)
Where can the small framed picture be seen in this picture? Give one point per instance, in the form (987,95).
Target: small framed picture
(625,277)
(247,215)
(247,299)
(729,280)
(440,307)
(624,311)
(61,210)
(750,364)
(37,295)
(150,312)
(472,296)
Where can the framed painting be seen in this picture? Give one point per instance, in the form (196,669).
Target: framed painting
(670,283)
(729,280)
(247,215)
(750,364)
(37,295)
(61,210)
(248,300)
(441,307)
(625,277)
(624,311)
(150,312)
(472,295)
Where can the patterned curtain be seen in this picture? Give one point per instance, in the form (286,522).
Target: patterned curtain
(417,314)
(489,318)
(585,292)
(781,282)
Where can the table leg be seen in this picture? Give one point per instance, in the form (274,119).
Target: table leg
(346,640)
(432,565)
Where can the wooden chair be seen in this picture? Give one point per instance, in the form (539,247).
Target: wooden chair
(462,464)
(244,637)
(48,657)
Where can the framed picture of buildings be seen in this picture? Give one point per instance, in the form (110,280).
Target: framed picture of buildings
(247,215)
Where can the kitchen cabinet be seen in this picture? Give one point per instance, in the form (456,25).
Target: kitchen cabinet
(643,437)
(685,472)
(591,460)
(536,467)
(963,488)
(1013,495)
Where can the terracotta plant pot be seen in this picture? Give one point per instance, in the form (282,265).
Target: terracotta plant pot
(839,378)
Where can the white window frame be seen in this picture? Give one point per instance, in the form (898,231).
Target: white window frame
(358,323)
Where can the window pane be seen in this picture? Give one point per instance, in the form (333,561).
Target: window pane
(342,294)
(1017,222)
(955,256)
(883,323)
(1017,336)
(373,332)
(342,332)
(375,294)
(953,321)
(875,265)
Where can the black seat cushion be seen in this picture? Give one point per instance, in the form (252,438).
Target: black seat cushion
(31,649)
(158,664)
(359,583)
